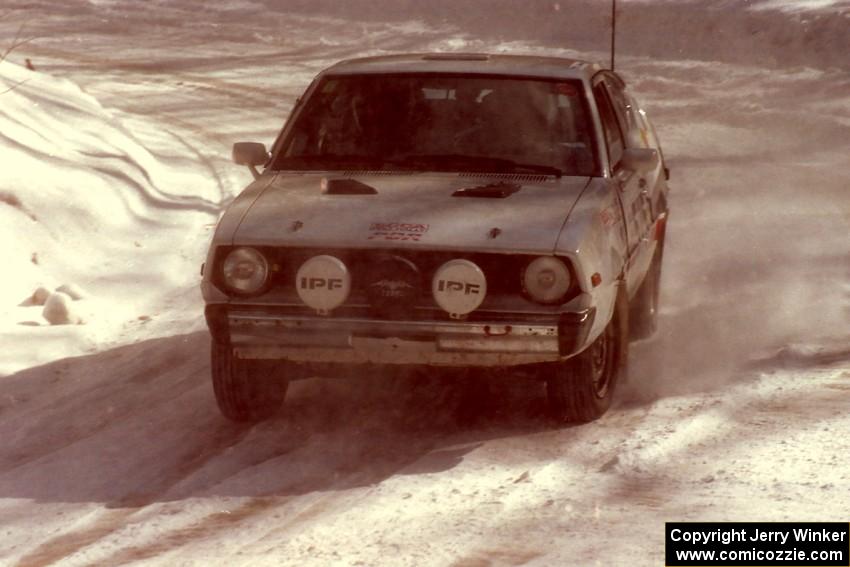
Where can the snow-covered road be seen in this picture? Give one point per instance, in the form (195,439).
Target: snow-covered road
(114,452)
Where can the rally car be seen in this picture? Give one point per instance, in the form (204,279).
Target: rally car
(442,210)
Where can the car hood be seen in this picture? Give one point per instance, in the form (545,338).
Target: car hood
(410,210)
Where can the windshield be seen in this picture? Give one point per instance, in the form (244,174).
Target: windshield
(442,123)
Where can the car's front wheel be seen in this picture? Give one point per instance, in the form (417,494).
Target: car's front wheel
(247,390)
(581,388)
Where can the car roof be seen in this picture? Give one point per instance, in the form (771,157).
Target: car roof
(471,63)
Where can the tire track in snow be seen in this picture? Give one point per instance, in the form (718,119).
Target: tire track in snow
(497,556)
(354,464)
(123,511)
(206,161)
(322,498)
(57,434)
(210,446)
(42,442)
(217,523)
(707,430)
(64,545)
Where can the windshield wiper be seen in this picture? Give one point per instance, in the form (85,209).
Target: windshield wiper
(537,168)
(480,163)
(477,163)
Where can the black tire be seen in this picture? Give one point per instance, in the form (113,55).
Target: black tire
(643,318)
(581,388)
(247,390)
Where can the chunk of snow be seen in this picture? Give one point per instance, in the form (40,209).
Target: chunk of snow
(40,295)
(72,290)
(58,310)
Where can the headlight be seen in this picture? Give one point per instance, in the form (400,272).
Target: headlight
(546,279)
(245,270)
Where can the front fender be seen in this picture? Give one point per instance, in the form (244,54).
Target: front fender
(594,239)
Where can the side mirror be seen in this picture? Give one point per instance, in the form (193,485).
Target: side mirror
(640,159)
(251,154)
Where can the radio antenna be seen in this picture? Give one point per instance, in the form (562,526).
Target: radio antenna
(613,29)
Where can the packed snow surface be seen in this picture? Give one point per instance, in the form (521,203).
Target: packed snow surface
(115,166)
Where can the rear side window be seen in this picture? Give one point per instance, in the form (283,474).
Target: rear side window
(613,135)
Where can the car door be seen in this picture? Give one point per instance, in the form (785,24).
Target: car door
(621,132)
(647,138)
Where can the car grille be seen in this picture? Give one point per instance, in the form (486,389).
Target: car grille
(503,272)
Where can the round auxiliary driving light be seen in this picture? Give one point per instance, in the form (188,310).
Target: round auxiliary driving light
(546,279)
(459,287)
(245,270)
(323,283)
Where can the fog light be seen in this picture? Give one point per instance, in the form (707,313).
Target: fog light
(459,287)
(323,283)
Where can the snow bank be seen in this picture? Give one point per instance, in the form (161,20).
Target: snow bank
(83,201)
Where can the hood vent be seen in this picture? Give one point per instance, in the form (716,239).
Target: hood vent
(346,187)
(498,190)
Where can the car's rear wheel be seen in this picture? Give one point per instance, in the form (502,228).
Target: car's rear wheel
(581,388)
(247,390)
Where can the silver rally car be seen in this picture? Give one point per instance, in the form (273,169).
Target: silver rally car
(443,210)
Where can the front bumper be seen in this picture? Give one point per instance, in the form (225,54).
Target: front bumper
(268,335)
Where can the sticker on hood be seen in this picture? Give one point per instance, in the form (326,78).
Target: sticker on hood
(397,231)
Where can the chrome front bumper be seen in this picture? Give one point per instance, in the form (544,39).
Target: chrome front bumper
(258,335)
